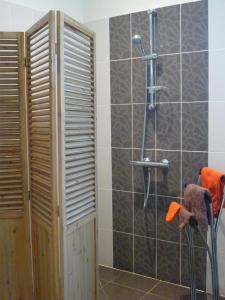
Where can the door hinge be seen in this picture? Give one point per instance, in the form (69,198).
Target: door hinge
(56,48)
(29,195)
(25,62)
(57,210)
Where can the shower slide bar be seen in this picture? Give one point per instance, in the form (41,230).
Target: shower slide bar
(150,102)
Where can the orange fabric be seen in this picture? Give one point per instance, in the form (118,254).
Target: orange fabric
(212,180)
(174,208)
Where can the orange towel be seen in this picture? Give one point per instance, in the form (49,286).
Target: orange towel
(174,208)
(213,180)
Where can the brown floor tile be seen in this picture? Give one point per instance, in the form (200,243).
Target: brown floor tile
(108,274)
(117,292)
(102,283)
(209,297)
(135,281)
(170,290)
(201,296)
(102,295)
(153,297)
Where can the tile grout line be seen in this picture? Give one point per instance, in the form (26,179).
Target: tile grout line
(168,150)
(132,137)
(167,54)
(165,103)
(159,195)
(152,238)
(181,126)
(154,286)
(155,198)
(156,193)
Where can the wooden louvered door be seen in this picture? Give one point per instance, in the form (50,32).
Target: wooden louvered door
(41,87)
(76,90)
(15,255)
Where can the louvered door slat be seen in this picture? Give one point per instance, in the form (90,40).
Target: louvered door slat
(79,122)
(41,80)
(39,100)
(14,205)
(11,197)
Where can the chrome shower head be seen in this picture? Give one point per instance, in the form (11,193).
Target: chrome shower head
(138,41)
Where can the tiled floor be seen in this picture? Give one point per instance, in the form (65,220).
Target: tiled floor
(119,285)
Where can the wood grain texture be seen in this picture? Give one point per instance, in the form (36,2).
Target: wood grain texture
(81,262)
(15,251)
(77,138)
(15,276)
(42,103)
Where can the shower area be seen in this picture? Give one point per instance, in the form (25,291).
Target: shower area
(159,52)
(161,93)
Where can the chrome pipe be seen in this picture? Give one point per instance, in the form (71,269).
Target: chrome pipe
(164,164)
(147,188)
(152,63)
(145,116)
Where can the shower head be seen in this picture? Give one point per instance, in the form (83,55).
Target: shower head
(138,41)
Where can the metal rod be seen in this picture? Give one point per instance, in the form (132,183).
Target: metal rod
(214,254)
(163,164)
(151,14)
(145,115)
(147,188)
(192,265)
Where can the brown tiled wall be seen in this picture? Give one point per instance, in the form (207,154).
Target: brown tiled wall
(177,130)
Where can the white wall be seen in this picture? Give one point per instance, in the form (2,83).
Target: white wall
(74,8)
(105,222)
(100,9)
(16,17)
(217,113)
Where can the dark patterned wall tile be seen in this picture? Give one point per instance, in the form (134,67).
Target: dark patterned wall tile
(121,170)
(123,251)
(195,126)
(138,123)
(200,266)
(166,231)
(168,119)
(191,164)
(194,24)
(195,76)
(140,26)
(144,256)
(120,44)
(122,211)
(168,30)
(139,174)
(169,182)
(139,80)
(168,261)
(121,126)
(198,241)
(144,219)
(120,75)
(168,75)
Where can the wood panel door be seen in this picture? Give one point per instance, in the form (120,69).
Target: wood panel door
(43,145)
(77,155)
(15,253)
(48,162)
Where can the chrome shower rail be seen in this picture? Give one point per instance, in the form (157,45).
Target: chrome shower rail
(164,164)
(151,89)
